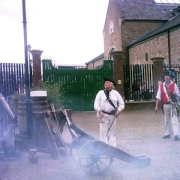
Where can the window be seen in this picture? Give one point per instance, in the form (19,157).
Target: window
(111,27)
(146,56)
(110,56)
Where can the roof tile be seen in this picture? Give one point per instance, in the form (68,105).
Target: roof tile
(144,10)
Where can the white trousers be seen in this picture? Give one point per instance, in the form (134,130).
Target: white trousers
(105,136)
(171,120)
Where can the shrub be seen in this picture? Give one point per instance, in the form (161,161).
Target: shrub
(55,95)
(55,92)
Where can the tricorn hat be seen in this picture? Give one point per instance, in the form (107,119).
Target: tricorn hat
(169,73)
(108,79)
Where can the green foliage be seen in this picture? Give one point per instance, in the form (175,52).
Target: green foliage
(55,95)
(55,92)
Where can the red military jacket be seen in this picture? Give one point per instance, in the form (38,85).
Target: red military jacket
(169,91)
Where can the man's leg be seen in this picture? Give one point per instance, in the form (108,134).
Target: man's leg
(104,124)
(110,137)
(174,121)
(167,118)
(112,132)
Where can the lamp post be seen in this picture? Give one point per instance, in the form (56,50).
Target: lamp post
(30,65)
(29,50)
(28,101)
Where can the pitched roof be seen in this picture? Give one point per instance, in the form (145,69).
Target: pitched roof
(101,56)
(172,23)
(144,10)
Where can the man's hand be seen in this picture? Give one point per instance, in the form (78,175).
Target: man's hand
(101,114)
(157,103)
(117,113)
(156,108)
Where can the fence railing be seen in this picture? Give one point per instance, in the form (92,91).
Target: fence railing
(12,78)
(176,69)
(139,82)
(81,85)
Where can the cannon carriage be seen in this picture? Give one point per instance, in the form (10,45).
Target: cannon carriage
(95,157)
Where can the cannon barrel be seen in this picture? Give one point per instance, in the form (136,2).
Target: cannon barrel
(80,132)
(117,153)
(111,151)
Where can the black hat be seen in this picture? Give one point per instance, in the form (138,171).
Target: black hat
(108,79)
(169,73)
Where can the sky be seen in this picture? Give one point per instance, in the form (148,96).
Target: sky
(69,32)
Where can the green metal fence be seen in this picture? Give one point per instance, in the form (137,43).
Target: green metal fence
(11,78)
(176,69)
(80,85)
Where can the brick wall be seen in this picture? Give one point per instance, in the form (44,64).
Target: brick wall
(118,71)
(131,30)
(36,57)
(157,47)
(175,46)
(113,39)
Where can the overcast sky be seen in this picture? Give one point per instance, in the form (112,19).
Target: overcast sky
(68,32)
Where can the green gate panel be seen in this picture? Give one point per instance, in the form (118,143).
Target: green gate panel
(80,85)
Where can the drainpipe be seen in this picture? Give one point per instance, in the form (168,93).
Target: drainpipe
(169,49)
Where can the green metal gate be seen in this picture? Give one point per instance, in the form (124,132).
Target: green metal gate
(80,85)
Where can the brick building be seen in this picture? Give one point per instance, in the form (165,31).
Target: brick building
(142,29)
(163,41)
(96,63)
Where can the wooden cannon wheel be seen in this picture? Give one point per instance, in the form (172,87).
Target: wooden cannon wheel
(94,157)
(77,143)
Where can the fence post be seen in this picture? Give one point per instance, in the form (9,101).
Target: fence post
(157,71)
(36,57)
(118,58)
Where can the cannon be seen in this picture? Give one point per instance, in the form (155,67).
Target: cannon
(94,156)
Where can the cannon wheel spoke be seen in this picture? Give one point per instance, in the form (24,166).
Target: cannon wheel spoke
(94,157)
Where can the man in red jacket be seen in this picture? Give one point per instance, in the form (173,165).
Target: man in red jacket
(165,94)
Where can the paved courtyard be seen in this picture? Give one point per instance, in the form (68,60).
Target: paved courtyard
(139,133)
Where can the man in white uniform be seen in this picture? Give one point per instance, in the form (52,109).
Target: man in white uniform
(165,94)
(108,105)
